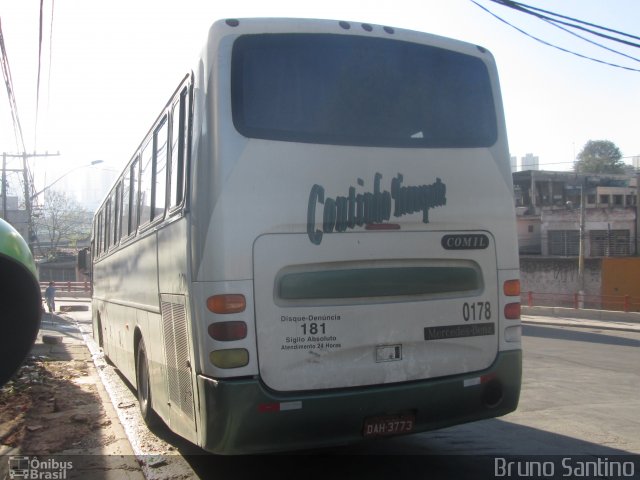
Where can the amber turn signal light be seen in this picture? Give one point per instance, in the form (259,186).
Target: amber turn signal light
(512,288)
(227,303)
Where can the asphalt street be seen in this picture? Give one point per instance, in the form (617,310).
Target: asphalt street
(579,398)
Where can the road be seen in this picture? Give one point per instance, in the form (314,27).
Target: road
(580,397)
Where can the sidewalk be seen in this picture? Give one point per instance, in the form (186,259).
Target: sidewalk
(59,407)
(582,318)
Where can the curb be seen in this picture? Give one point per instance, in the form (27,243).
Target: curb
(583,314)
(590,326)
(74,308)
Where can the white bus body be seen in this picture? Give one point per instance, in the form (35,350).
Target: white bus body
(318,244)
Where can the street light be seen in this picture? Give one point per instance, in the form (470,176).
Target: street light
(95,162)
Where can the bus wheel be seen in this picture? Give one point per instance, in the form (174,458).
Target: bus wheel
(144,388)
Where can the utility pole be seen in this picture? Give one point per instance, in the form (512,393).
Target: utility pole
(27,187)
(637,211)
(581,246)
(4,183)
(27,199)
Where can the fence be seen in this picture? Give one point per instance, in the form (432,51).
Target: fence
(621,303)
(69,289)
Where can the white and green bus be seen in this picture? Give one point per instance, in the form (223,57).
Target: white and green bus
(315,242)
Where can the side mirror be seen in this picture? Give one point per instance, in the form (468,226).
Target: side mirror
(84,260)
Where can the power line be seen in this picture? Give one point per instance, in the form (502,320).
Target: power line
(53,3)
(40,39)
(549,44)
(35,134)
(13,106)
(524,8)
(590,41)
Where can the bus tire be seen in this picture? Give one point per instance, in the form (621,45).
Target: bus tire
(144,388)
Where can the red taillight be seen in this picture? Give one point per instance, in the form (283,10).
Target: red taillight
(512,288)
(228,303)
(228,331)
(512,311)
(268,407)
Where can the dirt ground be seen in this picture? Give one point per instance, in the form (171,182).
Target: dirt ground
(52,406)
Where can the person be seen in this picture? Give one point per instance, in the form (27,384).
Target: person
(50,297)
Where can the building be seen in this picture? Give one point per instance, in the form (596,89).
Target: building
(530,162)
(17,217)
(92,186)
(62,266)
(514,164)
(550,209)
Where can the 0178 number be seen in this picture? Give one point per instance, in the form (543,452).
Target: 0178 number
(476,311)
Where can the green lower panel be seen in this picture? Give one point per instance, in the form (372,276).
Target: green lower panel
(242,416)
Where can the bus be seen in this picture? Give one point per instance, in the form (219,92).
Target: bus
(20,301)
(315,242)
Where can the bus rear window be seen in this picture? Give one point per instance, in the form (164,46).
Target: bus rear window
(360,91)
(380,282)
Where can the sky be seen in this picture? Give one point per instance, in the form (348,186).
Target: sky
(108,68)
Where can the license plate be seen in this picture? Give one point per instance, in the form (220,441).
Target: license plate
(388,425)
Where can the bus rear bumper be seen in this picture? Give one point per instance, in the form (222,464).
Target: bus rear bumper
(242,416)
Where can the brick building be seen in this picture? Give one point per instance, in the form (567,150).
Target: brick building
(549,212)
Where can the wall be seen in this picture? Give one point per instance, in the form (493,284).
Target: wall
(529,236)
(557,279)
(620,276)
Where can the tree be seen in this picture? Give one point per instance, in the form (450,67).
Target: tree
(599,156)
(60,221)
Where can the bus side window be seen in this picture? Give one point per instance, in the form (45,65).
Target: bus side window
(117,214)
(134,196)
(126,197)
(107,226)
(179,131)
(160,139)
(113,218)
(99,235)
(146,183)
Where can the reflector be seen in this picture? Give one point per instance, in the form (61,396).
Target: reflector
(228,331)
(231,358)
(512,311)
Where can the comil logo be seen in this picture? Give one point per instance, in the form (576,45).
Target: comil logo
(36,469)
(473,241)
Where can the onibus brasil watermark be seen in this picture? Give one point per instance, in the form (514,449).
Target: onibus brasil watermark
(37,469)
(568,467)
